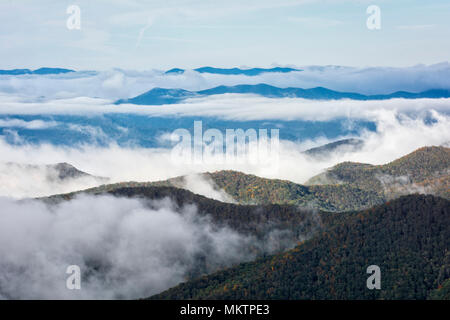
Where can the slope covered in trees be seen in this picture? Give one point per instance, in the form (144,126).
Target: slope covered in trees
(255,220)
(347,186)
(408,238)
(426,170)
(250,189)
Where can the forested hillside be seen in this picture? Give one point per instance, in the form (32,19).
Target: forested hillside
(250,189)
(345,187)
(408,238)
(255,220)
(426,170)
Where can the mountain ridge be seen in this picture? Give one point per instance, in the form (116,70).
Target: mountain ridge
(160,96)
(327,194)
(40,71)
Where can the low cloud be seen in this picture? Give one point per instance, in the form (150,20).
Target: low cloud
(32,125)
(233,107)
(125,249)
(201,185)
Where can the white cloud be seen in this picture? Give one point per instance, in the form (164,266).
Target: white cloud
(229,107)
(199,184)
(313,22)
(33,124)
(125,249)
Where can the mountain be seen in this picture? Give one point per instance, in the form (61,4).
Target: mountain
(158,96)
(234,71)
(40,71)
(275,92)
(426,170)
(250,189)
(407,238)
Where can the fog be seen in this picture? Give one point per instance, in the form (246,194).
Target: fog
(125,249)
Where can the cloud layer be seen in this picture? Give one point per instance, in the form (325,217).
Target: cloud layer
(396,135)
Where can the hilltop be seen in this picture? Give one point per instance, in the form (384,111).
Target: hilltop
(39,71)
(159,96)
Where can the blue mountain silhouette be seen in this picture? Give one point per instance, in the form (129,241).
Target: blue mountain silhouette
(16,72)
(158,96)
(234,71)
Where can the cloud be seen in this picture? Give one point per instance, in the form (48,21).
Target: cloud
(32,125)
(96,134)
(125,249)
(395,185)
(201,185)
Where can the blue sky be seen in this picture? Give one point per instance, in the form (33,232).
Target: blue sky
(141,35)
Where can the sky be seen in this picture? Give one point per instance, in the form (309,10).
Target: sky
(157,34)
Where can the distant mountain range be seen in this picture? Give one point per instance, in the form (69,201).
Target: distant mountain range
(159,96)
(234,71)
(40,71)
